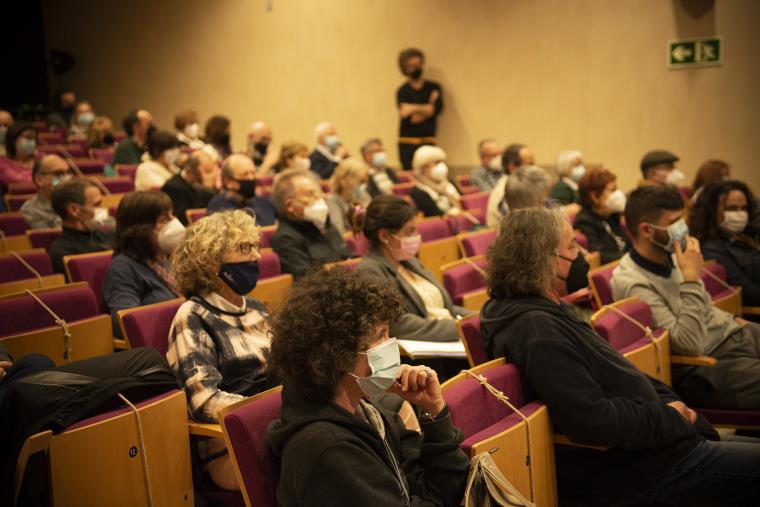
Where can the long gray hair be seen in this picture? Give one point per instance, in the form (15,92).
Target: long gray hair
(521,260)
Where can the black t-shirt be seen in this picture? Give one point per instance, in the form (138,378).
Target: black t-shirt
(411,96)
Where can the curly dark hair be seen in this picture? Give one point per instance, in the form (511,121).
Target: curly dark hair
(324,324)
(703,219)
(406,54)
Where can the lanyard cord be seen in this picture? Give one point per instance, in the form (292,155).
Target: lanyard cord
(58,321)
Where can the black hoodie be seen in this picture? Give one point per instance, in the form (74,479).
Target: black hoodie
(331,457)
(595,397)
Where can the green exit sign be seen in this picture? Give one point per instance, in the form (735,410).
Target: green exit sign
(695,52)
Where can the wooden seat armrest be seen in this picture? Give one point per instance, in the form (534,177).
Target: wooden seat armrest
(563,440)
(751,310)
(205,429)
(119,344)
(693,360)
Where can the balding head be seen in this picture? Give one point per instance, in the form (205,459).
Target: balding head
(48,172)
(201,168)
(259,132)
(237,167)
(6,118)
(324,130)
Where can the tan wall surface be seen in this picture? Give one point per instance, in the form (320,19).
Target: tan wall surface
(556,74)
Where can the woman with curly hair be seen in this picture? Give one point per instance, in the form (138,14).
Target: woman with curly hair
(218,342)
(725,221)
(333,353)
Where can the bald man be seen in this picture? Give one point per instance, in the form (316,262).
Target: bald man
(6,120)
(194,186)
(47,173)
(138,124)
(239,190)
(329,151)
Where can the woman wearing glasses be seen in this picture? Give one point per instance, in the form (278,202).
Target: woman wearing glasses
(218,342)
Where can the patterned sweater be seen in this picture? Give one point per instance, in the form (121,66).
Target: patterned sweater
(218,352)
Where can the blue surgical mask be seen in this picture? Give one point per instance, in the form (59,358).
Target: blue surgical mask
(379,159)
(385,361)
(27,146)
(241,277)
(331,142)
(677,231)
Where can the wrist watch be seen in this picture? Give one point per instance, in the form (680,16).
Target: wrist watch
(428,417)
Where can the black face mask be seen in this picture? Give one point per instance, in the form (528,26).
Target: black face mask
(247,188)
(577,277)
(224,139)
(108,139)
(261,148)
(416,73)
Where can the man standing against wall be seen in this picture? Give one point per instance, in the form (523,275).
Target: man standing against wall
(419,103)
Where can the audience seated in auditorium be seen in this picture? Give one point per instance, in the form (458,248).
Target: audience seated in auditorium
(305,238)
(47,173)
(293,155)
(659,168)
(570,169)
(514,156)
(239,190)
(100,134)
(600,218)
(217,136)
(140,272)
(87,226)
(433,193)
(138,126)
(80,121)
(60,117)
(219,339)
(390,225)
(328,152)
(663,269)
(12,371)
(20,148)
(194,186)
(660,452)
(419,101)
(709,172)
(6,120)
(381,177)
(725,221)
(349,188)
(334,442)
(159,163)
(259,147)
(528,186)
(489,171)
(188,129)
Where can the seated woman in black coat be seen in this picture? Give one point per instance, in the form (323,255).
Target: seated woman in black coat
(599,219)
(332,351)
(725,221)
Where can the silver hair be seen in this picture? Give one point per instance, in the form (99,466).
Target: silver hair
(369,142)
(527,187)
(283,188)
(566,161)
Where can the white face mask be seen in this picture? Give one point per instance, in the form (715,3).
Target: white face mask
(171,235)
(303,163)
(332,142)
(378,159)
(439,172)
(495,163)
(385,361)
(192,130)
(98,220)
(675,178)
(577,172)
(734,222)
(316,213)
(171,156)
(616,202)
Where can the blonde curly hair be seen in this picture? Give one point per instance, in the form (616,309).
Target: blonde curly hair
(197,259)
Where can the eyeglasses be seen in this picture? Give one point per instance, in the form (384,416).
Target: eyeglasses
(59,174)
(246,247)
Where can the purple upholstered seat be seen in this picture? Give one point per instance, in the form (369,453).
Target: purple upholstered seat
(119,184)
(246,428)
(471,334)
(104,154)
(22,313)
(43,238)
(264,181)
(12,223)
(196,214)
(716,289)
(464,278)
(601,283)
(90,268)
(458,223)
(126,170)
(358,244)
(269,265)
(266,236)
(22,187)
(478,243)
(11,269)
(15,201)
(620,332)
(72,150)
(89,165)
(148,326)
(581,239)
(433,229)
(477,200)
